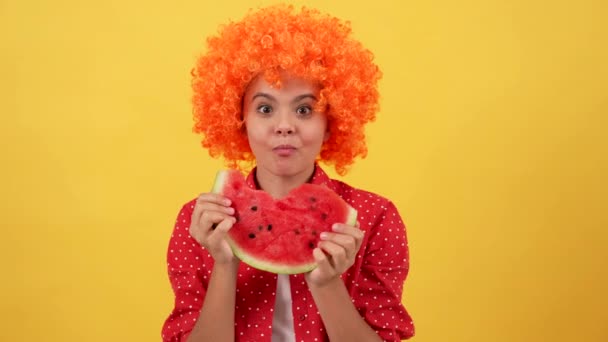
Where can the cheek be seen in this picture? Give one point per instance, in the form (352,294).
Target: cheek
(250,132)
(315,134)
(255,132)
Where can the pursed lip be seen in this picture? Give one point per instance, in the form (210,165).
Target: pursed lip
(284,147)
(284,150)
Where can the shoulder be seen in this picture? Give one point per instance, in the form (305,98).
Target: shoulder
(181,228)
(187,208)
(356,196)
(385,242)
(371,207)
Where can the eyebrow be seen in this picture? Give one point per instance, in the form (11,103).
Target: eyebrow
(272,98)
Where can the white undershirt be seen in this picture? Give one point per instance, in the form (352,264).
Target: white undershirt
(282,317)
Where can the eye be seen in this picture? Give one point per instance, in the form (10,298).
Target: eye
(304,110)
(265,109)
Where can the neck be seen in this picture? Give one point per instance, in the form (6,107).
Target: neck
(278,186)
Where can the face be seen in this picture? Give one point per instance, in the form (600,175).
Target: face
(284,132)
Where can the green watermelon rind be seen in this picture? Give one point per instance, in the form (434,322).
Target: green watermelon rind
(220,180)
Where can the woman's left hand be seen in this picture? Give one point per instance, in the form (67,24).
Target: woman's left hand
(335,253)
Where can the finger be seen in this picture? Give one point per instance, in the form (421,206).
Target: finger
(337,254)
(208,206)
(348,242)
(204,199)
(211,218)
(208,221)
(196,215)
(213,198)
(349,230)
(323,263)
(220,232)
(355,232)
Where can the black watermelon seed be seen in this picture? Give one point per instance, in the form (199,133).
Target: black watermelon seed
(260,228)
(314,232)
(311,244)
(213,226)
(297,231)
(312,199)
(269,227)
(251,235)
(254,208)
(324,216)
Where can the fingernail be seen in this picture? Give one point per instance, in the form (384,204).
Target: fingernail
(336,227)
(230,210)
(324,236)
(227,201)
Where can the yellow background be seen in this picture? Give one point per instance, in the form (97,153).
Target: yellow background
(491,140)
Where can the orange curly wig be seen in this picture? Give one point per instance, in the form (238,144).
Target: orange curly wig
(307,44)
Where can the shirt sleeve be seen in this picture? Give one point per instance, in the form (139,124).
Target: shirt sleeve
(384,268)
(186,261)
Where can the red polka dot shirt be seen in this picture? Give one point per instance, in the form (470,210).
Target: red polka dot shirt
(374,282)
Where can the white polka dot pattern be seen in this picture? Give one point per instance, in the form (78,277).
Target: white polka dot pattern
(375,281)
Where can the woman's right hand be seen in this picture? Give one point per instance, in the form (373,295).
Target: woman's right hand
(211,220)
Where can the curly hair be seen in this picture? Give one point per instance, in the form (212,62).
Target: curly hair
(308,44)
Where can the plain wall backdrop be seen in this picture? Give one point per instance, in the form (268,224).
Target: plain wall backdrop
(491,140)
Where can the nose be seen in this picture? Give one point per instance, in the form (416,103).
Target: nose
(284,125)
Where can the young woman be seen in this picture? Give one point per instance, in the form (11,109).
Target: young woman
(285,89)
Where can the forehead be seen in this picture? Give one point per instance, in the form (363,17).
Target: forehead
(291,86)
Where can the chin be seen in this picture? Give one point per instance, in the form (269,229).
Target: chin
(287,167)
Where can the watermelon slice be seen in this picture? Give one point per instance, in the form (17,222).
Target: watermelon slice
(278,236)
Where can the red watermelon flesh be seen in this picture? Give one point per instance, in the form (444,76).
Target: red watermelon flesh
(279,235)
